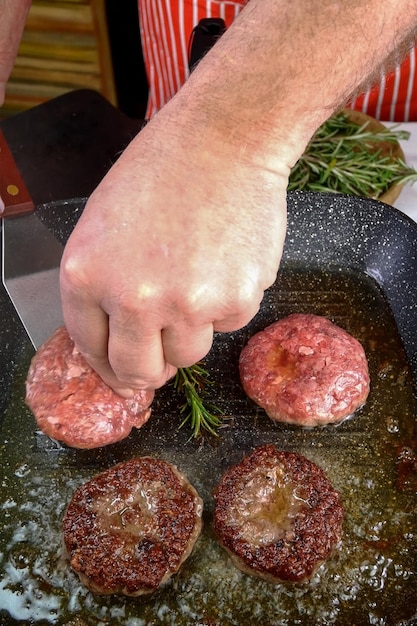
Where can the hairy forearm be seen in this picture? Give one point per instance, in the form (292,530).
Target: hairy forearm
(12,21)
(283,67)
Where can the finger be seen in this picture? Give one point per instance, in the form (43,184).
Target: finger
(184,345)
(241,315)
(122,346)
(116,356)
(98,361)
(125,361)
(90,333)
(136,354)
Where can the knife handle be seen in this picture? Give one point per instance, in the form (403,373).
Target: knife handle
(13,190)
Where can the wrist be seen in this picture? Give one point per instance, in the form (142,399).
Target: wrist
(205,124)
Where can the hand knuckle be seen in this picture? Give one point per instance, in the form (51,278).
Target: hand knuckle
(72,273)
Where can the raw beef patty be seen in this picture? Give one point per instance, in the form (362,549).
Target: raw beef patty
(305,370)
(71,402)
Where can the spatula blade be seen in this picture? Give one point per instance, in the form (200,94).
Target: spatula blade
(30,273)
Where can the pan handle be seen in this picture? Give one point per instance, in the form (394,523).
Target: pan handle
(13,190)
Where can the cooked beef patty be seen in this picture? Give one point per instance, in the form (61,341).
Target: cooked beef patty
(277,515)
(71,402)
(127,530)
(305,370)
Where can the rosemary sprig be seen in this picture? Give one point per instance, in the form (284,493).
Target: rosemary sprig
(343,157)
(204,417)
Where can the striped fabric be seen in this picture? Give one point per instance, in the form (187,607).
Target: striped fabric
(166,27)
(394,98)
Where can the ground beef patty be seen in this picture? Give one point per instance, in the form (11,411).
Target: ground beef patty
(277,515)
(130,528)
(305,370)
(71,402)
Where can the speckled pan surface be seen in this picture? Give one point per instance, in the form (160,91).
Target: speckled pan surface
(370,236)
(350,259)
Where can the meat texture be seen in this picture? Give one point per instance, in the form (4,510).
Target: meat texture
(277,515)
(129,529)
(72,404)
(305,370)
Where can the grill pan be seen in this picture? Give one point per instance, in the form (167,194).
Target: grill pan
(351,259)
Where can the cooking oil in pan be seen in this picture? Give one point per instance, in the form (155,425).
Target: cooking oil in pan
(370,458)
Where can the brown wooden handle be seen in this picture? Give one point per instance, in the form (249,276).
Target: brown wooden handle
(13,190)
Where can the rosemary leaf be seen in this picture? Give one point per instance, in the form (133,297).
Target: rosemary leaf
(342,157)
(203,416)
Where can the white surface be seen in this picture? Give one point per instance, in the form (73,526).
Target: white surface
(407,200)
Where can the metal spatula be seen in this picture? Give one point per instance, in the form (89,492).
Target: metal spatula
(31,256)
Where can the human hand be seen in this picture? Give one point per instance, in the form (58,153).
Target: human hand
(13,17)
(179,240)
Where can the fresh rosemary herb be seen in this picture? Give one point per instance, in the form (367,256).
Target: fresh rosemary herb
(203,416)
(344,157)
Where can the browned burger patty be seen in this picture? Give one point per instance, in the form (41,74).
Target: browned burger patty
(130,528)
(277,515)
(71,402)
(305,370)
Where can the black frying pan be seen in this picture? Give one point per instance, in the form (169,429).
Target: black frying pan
(351,259)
